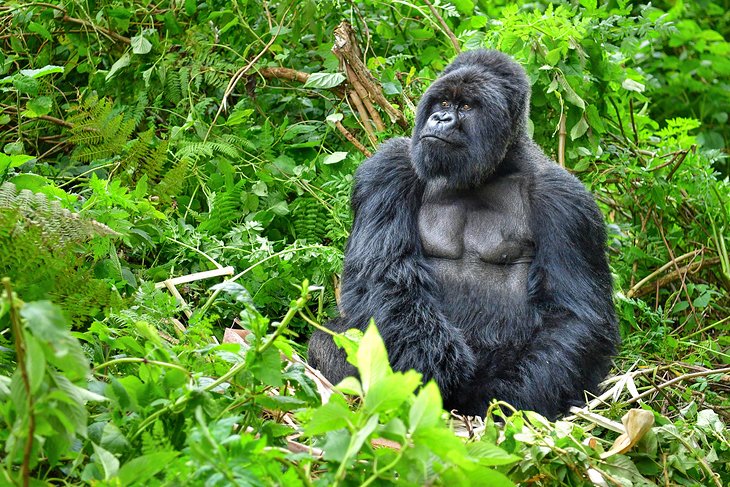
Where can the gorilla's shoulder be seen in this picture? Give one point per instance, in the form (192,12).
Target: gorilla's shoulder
(557,191)
(387,178)
(390,164)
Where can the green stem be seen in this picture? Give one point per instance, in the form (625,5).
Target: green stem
(379,472)
(298,304)
(131,360)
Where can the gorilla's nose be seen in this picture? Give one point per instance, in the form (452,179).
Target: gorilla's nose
(441,121)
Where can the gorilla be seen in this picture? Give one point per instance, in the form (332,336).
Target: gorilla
(482,261)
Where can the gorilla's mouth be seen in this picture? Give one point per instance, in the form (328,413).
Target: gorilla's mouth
(431,136)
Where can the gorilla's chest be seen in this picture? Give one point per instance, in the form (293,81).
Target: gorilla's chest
(484,227)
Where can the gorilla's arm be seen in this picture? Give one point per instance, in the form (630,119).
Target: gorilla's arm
(386,277)
(569,287)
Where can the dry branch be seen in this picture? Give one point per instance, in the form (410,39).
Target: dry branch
(678,273)
(348,52)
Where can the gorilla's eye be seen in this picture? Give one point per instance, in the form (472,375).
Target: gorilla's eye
(465,107)
(445,104)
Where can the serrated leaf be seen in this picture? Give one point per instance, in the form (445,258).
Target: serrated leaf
(391,391)
(324,80)
(332,416)
(35,363)
(426,409)
(490,454)
(140,45)
(372,358)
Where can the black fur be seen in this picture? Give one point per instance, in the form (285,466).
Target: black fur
(482,261)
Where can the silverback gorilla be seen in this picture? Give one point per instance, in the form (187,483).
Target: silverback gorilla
(482,261)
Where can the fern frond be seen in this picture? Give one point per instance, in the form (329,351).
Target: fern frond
(55,222)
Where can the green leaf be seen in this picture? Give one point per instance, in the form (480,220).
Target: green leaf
(324,80)
(108,462)
(25,84)
(372,358)
(39,29)
(579,128)
(336,445)
(140,45)
(38,106)
(490,454)
(332,416)
(47,323)
(334,158)
(40,72)
(141,469)
(35,362)
(122,62)
(10,162)
(391,391)
(426,409)
(358,439)
(350,385)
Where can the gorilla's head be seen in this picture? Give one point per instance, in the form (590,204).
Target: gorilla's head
(469,117)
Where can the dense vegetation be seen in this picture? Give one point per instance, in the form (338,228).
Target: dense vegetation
(146,141)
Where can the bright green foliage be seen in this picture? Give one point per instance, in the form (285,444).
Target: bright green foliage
(142,141)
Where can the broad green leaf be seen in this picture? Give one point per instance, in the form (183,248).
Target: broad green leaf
(336,445)
(570,93)
(372,358)
(426,409)
(334,158)
(40,30)
(108,462)
(122,62)
(490,455)
(10,162)
(332,416)
(47,324)
(324,80)
(40,72)
(139,470)
(25,84)
(579,128)
(38,106)
(140,45)
(350,385)
(35,362)
(391,391)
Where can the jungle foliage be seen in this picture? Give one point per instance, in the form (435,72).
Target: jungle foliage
(147,141)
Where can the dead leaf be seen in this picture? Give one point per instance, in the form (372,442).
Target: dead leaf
(637,423)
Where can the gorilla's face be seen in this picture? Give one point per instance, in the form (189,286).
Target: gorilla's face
(469,117)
